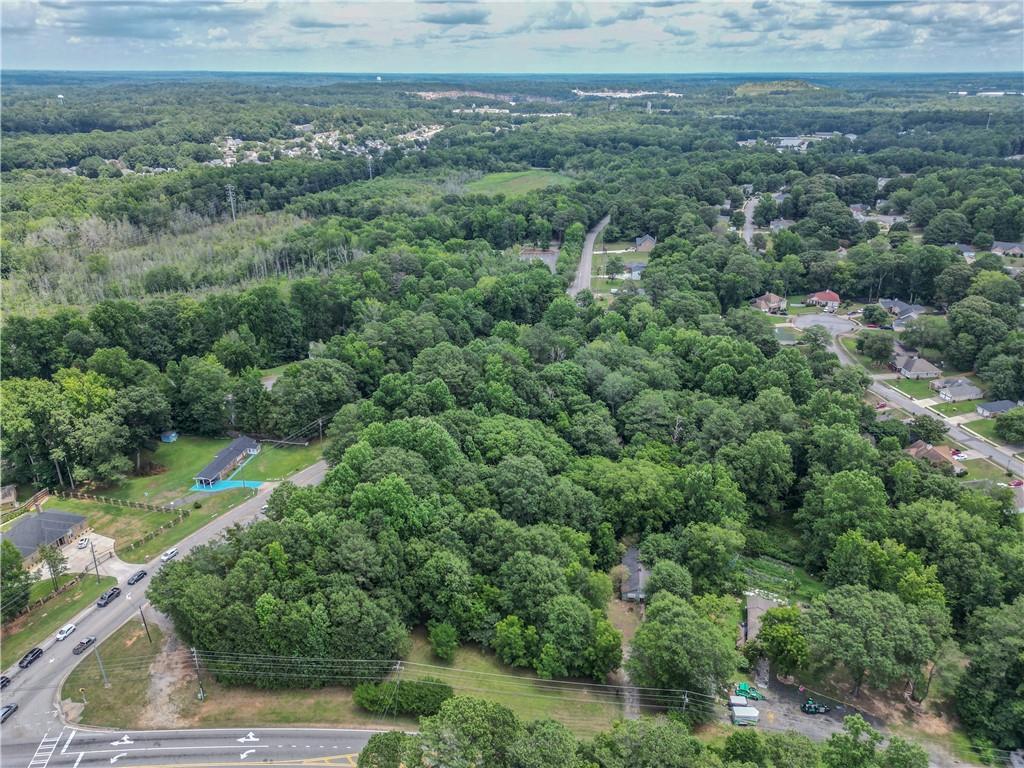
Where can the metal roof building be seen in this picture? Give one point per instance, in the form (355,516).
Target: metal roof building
(227,459)
(49,527)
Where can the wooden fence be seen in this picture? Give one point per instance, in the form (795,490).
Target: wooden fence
(115,502)
(38,498)
(180,513)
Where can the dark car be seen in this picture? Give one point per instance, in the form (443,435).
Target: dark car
(6,711)
(137,577)
(30,658)
(107,597)
(4,682)
(83,645)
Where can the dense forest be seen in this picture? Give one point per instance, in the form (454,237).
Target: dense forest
(493,442)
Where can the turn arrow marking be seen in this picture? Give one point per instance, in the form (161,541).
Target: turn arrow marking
(250,736)
(115,758)
(246,754)
(123,740)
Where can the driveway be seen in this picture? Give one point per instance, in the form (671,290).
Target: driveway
(80,560)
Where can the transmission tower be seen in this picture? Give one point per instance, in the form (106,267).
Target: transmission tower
(230,190)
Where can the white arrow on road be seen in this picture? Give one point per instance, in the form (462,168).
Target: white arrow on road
(246,754)
(250,736)
(123,740)
(115,758)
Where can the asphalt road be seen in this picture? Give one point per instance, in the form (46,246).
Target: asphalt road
(838,325)
(68,747)
(748,224)
(36,690)
(582,280)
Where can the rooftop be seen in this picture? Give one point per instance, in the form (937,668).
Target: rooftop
(226,456)
(33,531)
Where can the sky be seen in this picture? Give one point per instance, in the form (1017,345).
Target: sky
(465,36)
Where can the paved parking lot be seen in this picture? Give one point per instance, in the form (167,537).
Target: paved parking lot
(80,560)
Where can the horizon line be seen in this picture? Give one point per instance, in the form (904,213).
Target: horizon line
(546,73)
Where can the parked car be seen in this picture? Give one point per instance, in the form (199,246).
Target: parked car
(83,645)
(1016,483)
(30,658)
(170,554)
(83,543)
(6,711)
(4,681)
(136,577)
(108,597)
(64,632)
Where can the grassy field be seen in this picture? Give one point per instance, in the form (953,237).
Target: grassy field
(32,628)
(618,245)
(181,460)
(985,428)
(44,586)
(583,710)
(983,469)
(277,463)
(918,389)
(213,507)
(512,183)
(957,409)
(788,334)
(125,654)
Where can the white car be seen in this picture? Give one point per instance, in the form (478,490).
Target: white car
(64,632)
(83,543)
(170,554)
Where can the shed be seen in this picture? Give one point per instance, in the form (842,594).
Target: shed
(50,527)
(227,460)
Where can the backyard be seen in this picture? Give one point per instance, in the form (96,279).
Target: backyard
(277,462)
(919,389)
(957,409)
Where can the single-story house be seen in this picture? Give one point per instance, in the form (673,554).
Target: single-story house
(49,527)
(777,225)
(914,367)
(968,251)
(770,303)
(828,299)
(936,455)
(996,407)
(901,311)
(1003,248)
(645,244)
(959,390)
(634,270)
(756,607)
(227,460)
(634,588)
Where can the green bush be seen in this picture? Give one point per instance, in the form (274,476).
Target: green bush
(410,697)
(444,640)
(383,750)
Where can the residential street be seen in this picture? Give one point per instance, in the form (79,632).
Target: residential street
(840,326)
(748,224)
(582,280)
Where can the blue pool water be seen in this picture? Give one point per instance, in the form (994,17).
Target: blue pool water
(223,485)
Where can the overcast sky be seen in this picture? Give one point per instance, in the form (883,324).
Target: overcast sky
(656,36)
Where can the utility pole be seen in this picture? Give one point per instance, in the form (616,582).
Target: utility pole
(145,624)
(92,548)
(103,672)
(369,165)
(199,679)
(230,189)
(320,423)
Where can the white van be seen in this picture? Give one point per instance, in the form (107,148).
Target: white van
(170,554)
(745,716)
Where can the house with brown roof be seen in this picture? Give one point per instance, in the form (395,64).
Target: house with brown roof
(936,455)
(770,303)
(827,299)
(645,244)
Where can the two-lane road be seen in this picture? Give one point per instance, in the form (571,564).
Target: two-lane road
(582,280)
(36,690)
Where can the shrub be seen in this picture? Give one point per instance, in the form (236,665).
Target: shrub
(444,640)
(409,697)
(383,750)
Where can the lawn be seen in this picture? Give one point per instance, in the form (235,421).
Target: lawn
(985,428)
(125,524)
(850,344)
(180,461)
(33,627)
(584,709)
(601,259)
(919,389)
(125,655)
(276,463)
(957,409)
(44,586)
(619,245)
(983,469)
(513,183)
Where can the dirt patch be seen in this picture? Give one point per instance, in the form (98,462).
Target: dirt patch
(625,617)
(167,674)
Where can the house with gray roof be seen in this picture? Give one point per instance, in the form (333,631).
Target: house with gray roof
(996,408)
(645,244)
(634,588)
(959,390)
(50,527)
(227,461)
(901,311)
(1003,248)
(914,367)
